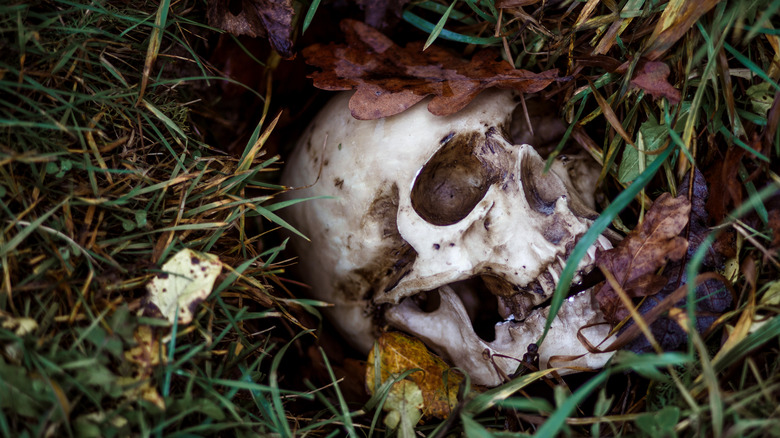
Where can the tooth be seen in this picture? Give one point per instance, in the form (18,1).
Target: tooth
(592,252)
(514,308)
(554,274)
(562,266)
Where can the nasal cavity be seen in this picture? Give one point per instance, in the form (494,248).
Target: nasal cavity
(452,182)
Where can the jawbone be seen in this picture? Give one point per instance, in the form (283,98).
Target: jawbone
(449,331)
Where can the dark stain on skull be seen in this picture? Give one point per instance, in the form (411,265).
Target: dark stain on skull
(490,140)
(452,182)
(338,182)
(396,256)
(384,210)
(405,257)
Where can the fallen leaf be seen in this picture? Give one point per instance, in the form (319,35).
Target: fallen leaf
(636,259)
(186,280)
(389,79)
(256,18)
(653,77)
(146,355)
(771,297)
(20,326)
(399,353)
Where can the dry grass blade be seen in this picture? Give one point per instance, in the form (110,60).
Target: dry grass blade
(153,49)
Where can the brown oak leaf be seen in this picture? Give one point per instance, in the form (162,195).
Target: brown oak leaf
(389,79)
(653,78)
(256,18)
(635,261)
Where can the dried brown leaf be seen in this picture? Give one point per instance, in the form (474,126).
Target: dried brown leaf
(256,18)
(653,78)
(399,353)
(638,257)
(389,79)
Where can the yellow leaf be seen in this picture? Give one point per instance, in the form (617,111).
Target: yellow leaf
(147,353)
(437,382)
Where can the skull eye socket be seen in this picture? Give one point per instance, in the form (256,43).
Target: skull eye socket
(541,189)
(451,183)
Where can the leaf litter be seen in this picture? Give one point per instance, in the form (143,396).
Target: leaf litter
(388,79)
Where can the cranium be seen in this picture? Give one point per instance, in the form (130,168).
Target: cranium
(432,224)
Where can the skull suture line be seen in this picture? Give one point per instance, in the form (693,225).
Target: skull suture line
(438,223)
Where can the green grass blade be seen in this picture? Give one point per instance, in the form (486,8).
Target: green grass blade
(310,15)
(428,27)
(439,26)
(347,417)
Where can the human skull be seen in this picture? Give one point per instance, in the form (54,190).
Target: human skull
(427,224)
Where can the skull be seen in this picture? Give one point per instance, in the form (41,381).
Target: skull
(441,227)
